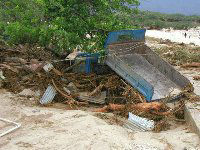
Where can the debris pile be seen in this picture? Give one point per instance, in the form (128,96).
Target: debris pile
(32,67)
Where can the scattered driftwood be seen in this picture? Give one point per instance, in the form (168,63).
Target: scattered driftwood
(133,95)
(9,68)
(63,94)
(191,65)
(70,100)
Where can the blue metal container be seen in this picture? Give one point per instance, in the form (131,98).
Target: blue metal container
(89,61)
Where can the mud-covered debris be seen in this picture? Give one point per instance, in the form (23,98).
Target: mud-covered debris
(178,111)
(5,66)
(133,95)
(196,78)
(73,55)
(162,125)
(72,88)
(27,92)
(97,90)
(23,69)
(33,66)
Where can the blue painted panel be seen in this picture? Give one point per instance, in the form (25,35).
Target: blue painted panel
(113,37)
(132,78)
(90,59)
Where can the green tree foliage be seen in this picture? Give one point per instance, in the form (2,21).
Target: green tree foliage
(64,24)
(20,20)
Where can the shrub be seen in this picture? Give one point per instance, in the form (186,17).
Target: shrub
(18,33)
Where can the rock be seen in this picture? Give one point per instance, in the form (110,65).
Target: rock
(27,92)
(72,88)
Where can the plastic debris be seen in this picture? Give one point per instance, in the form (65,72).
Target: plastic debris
(48,96)
(73,55)
(141,123)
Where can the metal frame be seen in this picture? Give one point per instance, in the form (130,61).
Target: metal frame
(17,125)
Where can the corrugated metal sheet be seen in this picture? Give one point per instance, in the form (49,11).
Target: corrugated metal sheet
(48,95)
(141,123)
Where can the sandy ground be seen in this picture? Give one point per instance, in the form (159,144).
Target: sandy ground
(49,128)
(193,35)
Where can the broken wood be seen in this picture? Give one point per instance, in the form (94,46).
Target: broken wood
(57,72)
(59,91)
(9,68)
(70,101)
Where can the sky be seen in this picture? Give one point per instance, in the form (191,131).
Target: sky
(186,7)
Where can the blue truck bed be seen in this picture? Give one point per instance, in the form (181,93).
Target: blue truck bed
(142,68)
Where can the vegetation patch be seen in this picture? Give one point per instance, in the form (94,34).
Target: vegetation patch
(155,20)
